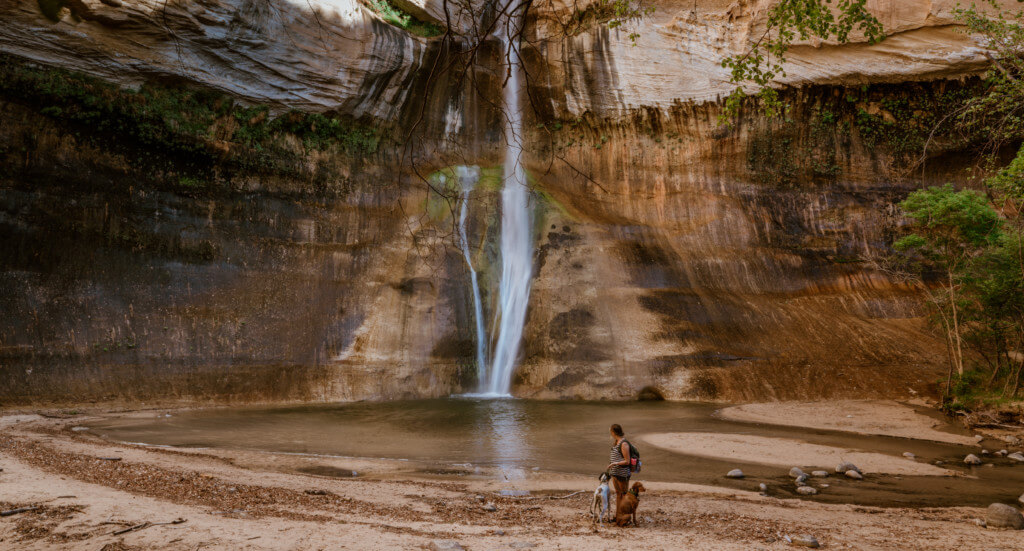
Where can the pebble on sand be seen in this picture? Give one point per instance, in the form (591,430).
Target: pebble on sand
(1000,515)
(796,472)
(1016,456)
(445,545)
(735,473)
(764,488)
(819,474)
(972,459)
(909,455)
(804,541)
(854,474)
(806,491)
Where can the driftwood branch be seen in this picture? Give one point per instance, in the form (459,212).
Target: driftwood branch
(145,525)
(10,512)
(526,498)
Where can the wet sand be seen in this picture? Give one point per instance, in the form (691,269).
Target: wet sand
(786,452)
(874,417)
(244,499)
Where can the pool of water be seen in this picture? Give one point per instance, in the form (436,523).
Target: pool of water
(456,436)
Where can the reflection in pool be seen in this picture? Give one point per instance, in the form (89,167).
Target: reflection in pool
(518,436)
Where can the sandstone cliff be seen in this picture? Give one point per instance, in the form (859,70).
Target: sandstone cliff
(673,254)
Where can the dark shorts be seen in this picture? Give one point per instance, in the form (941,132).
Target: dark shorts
(622,478)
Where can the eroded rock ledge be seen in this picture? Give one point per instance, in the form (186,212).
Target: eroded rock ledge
(675,257)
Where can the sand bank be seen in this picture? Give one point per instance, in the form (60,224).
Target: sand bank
(786,453)
(876,417)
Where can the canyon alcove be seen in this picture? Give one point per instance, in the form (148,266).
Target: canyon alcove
(261,201)
(265,259)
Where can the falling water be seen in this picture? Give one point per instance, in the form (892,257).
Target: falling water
(516,224)
(468,176)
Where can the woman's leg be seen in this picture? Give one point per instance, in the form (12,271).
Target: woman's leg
(621,487)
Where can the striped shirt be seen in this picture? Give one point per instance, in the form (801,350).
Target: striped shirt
(621,471)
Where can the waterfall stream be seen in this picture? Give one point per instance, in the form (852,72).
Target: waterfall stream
(468,177)
(516,224)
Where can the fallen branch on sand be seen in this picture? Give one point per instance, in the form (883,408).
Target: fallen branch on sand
(146,525)
(524,498)
(10,512)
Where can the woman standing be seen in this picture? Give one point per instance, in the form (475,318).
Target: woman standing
(619,466)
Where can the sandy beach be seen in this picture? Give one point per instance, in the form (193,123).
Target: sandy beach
(875,417)
(86,490)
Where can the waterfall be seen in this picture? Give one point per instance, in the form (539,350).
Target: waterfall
(516,226)
(468,177)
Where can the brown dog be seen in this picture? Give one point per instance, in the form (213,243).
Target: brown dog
(626,511)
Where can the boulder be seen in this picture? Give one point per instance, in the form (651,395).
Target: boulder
(819,474)
(804,540)
(806,491)
(972,459)
(1000,515)
(854,474)
(795,472)
(846,466)
(735,473)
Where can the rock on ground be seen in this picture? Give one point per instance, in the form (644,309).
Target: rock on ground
(854,474)
(804,541)
(445,545)
(819,474)
(796,472)
(972,459)
(1000,515)
(735,473)
(806,491)
(846,466)
(1016,456)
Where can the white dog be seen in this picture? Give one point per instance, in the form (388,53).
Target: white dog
(599,506)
